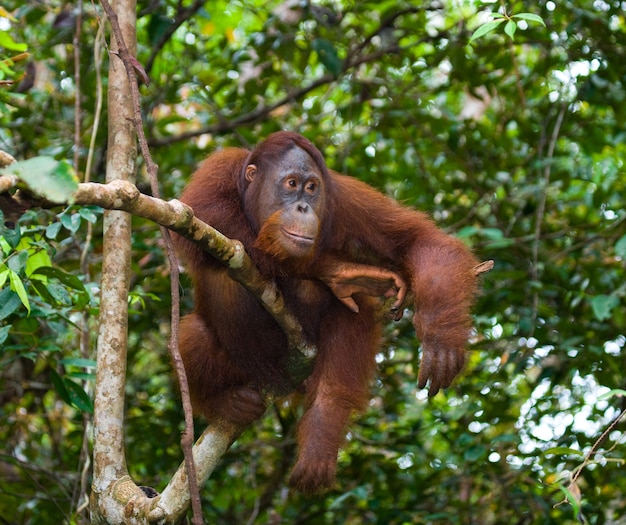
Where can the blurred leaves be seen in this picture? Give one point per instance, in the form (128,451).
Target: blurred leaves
(46,177)
(327,55)
(603,305)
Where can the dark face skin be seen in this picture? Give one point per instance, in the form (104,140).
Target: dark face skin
(290,197)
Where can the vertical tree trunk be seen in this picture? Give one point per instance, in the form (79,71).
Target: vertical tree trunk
(109,459)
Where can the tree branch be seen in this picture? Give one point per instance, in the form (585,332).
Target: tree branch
(108,449)
(132,66)
(180,218)
(174,215)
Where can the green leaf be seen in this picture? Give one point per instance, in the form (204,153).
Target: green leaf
(71,221)
(496,237)
(41,288)
(620,247)
(71,393)
(17,261)
(12,237)
(467,232)
(158,26)
(59,293)
(510,29)
(46,177)
(88,213)
(602,305)
(68,279)
(79,361)
(563,451)
(7,42)
(37,256)
(474,453)
(328,55)
(4,275)
(18,287)
(78,396)
(9,302)
(59,386)
(4,333)
(492,233)
(485,28)
(82,376)
(53,230)
(37,260)
(530,17)
(573,500)
(616,392)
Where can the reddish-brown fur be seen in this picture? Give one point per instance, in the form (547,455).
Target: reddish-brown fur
(232,348)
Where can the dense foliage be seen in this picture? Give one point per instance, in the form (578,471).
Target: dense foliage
(516,144)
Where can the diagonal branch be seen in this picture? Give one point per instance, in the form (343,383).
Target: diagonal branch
(180,218)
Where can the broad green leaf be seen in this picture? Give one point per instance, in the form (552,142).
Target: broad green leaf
(37,260)
(68,279)
(89,213)
(510,29)
(496,238)
(17,261)
(18,287)
(79,361)
(4,333)
(4,275)
(474,453)
(53,230)
(467,232)
(59,386)
(71,221)
(9,302)
(492,233)
(327,55)
(158,26)
(46,177)
(573,498)
(562,451)
(59,293)
(602,305)
(78,396)
(37,256)
(7,42)
(620,247)
(616,392)
(40,286)
(4,246)
(485,28)
(530,17)
(10,237)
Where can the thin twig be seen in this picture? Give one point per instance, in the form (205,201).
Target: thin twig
(541,208)
(80,499)
(77,107)
(596,446)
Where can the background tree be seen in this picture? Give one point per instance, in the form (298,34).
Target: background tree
(516,145)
